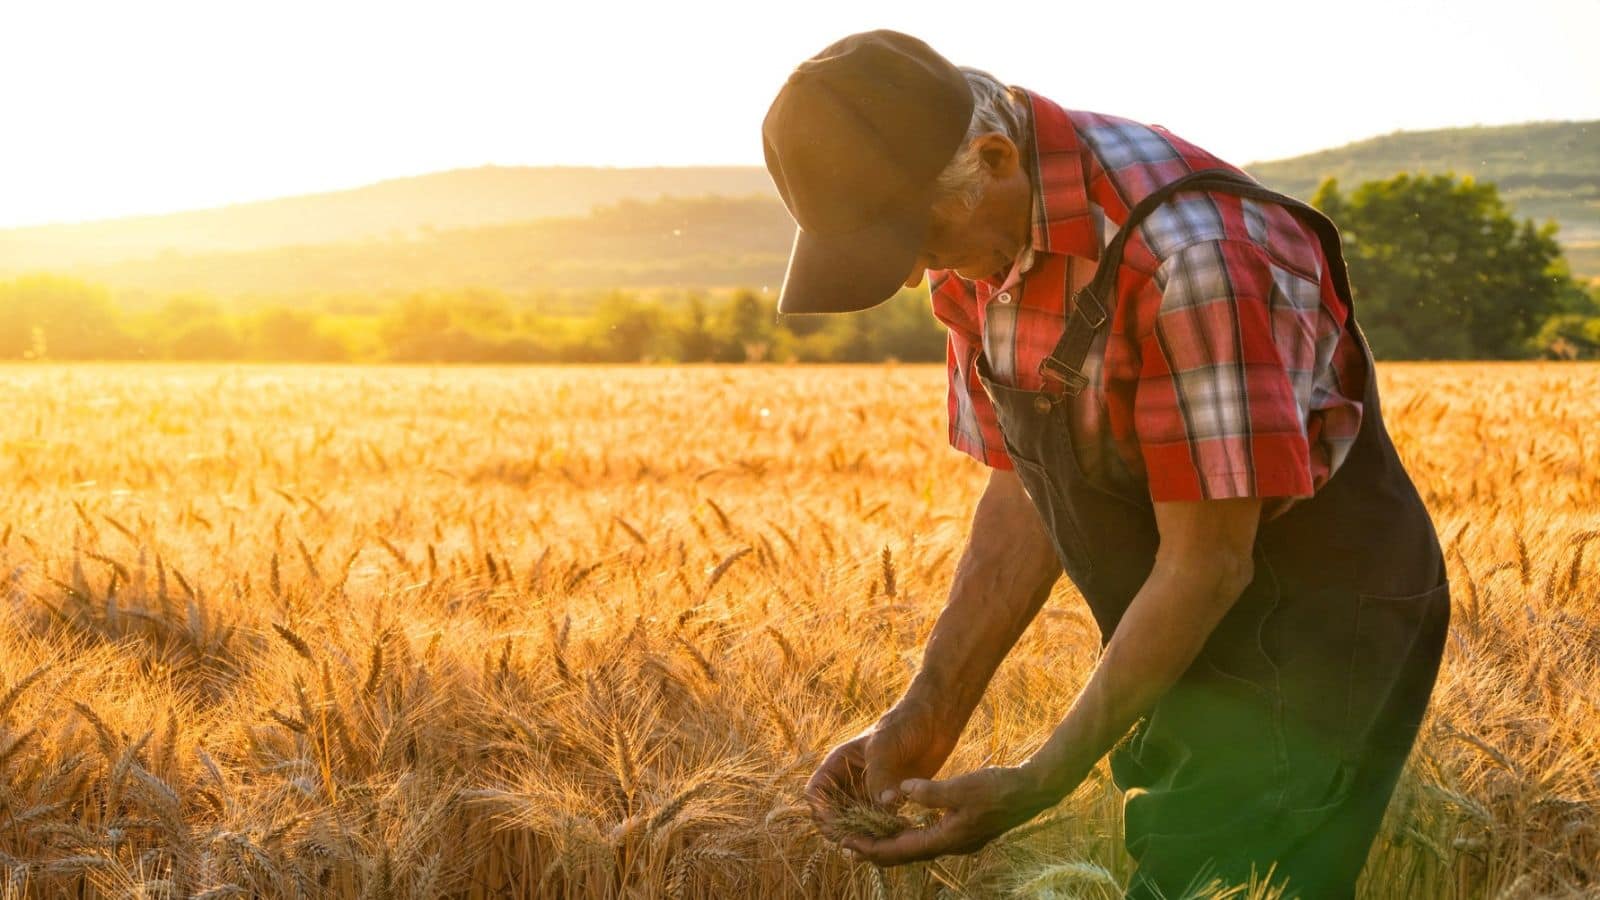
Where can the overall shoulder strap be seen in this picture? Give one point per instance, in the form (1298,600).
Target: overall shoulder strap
(1090,304)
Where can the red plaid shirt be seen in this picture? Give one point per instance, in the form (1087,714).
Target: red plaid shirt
(1225,369)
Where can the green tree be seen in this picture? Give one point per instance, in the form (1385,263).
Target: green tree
(205,339)
(1568,336)
(746,328)
(421,328)
(697,342)
(904,329)
(195,327)
(62,318)
(294,334)
(1441,268)
(627,329)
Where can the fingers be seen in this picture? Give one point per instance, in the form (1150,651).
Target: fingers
(883,785)
(967,823)
(822,812)
(837,778)
(932,794)
(911,845)
(828,782)
(951,793)
(822,794)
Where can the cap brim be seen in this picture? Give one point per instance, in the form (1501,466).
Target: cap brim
(854,271)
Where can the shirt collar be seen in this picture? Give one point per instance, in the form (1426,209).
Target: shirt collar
(1062,221)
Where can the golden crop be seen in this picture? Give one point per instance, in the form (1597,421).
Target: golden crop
(584,632)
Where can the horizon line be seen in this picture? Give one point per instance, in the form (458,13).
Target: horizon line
(388,179)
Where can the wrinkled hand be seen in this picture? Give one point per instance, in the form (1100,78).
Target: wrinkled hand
(910,741)
(977,808)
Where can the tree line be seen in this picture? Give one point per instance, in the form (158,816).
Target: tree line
(1440,266)
(1442,269)
(57,317)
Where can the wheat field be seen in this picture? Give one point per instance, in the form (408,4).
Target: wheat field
(585,632)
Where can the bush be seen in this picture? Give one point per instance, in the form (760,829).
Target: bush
(1441,269)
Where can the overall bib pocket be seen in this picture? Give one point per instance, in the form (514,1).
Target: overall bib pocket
(1033,429)
(1058,519)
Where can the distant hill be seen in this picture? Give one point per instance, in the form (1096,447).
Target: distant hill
(567,228)
(1546,170)
(402,207)
(669,242)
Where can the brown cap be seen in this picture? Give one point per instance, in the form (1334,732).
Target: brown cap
(854,142)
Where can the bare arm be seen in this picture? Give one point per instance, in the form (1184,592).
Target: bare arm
(1204,563)
(1004,576)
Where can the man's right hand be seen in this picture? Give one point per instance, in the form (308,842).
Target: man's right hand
(910,741)
(1004,576)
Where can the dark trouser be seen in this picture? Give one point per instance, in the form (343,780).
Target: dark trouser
(1207,792)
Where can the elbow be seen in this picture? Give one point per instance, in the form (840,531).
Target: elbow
(1007,531)
(1218,576)
(1223,574)
(1235,571)
(1208,548)
(1020,549)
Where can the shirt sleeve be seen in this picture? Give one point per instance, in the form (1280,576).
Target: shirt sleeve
(974,426)
(1215,408)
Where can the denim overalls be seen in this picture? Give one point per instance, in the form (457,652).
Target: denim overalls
(1284,740)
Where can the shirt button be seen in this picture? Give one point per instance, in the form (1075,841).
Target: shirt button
(1004,296)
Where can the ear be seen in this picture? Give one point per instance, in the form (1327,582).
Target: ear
(999,155)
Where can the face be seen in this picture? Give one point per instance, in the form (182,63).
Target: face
(985,241)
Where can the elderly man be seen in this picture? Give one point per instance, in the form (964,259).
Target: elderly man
(1158,360)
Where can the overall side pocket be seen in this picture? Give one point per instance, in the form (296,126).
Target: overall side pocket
(1389,632)
(1370,650)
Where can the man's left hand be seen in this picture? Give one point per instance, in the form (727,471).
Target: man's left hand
(977,808)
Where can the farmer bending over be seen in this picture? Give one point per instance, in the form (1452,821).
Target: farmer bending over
(1159,362)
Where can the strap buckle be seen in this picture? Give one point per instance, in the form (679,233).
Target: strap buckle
(1072,381)
(1087,305)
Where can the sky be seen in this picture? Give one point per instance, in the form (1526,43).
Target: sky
(117,108)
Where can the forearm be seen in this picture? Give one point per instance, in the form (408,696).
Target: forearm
(1158,638)
(1002,579)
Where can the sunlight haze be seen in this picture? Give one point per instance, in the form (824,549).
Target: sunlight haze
(116,109)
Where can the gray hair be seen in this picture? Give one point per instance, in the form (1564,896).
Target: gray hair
(995,108)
